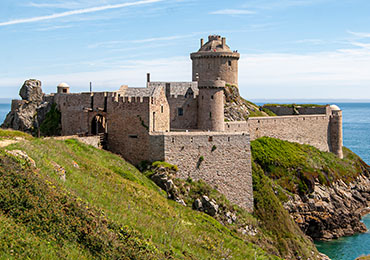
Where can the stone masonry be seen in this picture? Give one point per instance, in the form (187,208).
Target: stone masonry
(183,123)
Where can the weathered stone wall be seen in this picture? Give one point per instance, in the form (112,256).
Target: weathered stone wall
(226,165)
(188,104)
(307,129)
(73,108)
(289,111)
(216,65)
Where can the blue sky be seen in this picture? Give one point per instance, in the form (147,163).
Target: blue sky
(290,49)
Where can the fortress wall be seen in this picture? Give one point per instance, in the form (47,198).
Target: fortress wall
(290,111)
(75,119)
(226,165)
(303,129)
(128,126)
(190,112)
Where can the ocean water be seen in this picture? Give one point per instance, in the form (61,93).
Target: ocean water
(4,109)
(356,136)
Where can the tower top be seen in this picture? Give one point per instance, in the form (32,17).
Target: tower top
(215,46)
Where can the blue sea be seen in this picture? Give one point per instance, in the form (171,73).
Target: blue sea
(356,136)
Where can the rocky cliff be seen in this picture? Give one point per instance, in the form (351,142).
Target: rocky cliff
(334,211)
(28,114)
(325,195)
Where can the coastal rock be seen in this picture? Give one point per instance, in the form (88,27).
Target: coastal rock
(31,90)
(27,114)
(332,212)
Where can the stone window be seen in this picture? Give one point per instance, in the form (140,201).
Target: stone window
(180,111)
(191,139)
(64,90)
(210,139)
(229,62)
(228,139)
(173,140)
(212,97)
(161,108)
(210,114)
(133,136)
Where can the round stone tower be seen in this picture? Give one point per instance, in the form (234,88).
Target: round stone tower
(215,60)
(211,105)
(336,133)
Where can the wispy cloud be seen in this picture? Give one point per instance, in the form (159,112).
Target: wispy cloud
(281,4)
(311,41)
(233,12)
(78,12)
(147,40)
(360,34)
(51,28)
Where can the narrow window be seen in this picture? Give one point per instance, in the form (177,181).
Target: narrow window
(173,140)
(210,114)
(212,97)
(228,139)
(180,111)
(202,97)
(161,108)
(229,62)
(132,136)
(210,139)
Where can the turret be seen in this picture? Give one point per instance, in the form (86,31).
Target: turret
(336,132)
(63,88)
(211,105)
(215,60)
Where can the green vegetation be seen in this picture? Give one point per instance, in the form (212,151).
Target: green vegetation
(295,167)
(10,134)
(52,124)
(104,209)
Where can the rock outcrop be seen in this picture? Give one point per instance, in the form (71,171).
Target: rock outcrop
(27,114)
(332,212)
(31,91)
(237,108)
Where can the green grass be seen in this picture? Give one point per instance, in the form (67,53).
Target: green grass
(295,167)
(106,191)
(11,134)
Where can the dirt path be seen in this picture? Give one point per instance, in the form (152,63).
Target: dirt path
(4,143)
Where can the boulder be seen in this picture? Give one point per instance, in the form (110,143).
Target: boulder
(209,206)
(31,90)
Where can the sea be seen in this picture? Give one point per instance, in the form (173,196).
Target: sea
(356,136)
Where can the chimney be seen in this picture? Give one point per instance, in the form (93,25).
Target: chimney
(223,41)
(201,42)
(148,77)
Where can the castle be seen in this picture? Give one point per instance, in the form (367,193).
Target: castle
(183,123)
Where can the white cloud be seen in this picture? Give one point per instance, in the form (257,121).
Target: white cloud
(281,4)
(233,12)
(340,74)
(77,12)
(360,34)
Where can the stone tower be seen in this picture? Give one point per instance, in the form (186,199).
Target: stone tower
(211,105)
(215,60)
(336,133)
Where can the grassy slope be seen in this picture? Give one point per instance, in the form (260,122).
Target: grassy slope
(296,167)
(110,201)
